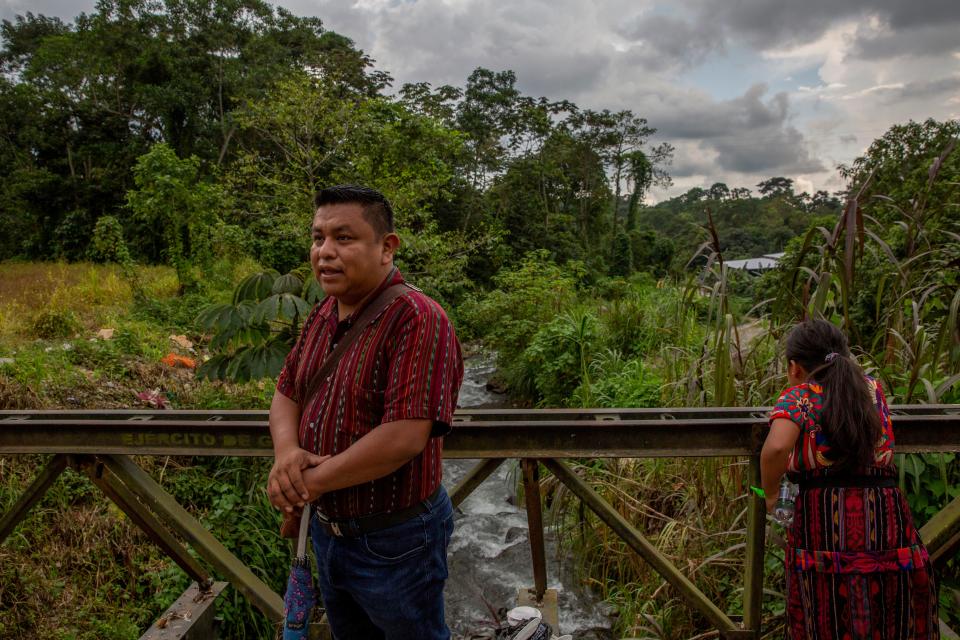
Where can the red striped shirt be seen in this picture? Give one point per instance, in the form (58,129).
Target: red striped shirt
(404,365)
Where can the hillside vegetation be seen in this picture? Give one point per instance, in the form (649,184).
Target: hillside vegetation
(157,162)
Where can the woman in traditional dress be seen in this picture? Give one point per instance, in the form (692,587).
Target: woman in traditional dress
(855,564)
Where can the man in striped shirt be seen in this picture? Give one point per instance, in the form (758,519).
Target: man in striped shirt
(365,448)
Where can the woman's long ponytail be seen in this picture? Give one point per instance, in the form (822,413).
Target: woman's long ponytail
(850,418)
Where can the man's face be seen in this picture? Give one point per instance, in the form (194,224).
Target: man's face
(348,256)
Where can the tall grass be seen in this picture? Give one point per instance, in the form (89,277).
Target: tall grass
(891,281)
(77,567)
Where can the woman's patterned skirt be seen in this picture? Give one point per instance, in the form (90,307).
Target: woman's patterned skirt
(856,568)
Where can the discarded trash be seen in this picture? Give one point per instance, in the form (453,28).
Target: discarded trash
(105,334)
(154,398)
(182,341)
(175,360)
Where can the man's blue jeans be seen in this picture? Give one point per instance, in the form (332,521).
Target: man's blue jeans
(387,584)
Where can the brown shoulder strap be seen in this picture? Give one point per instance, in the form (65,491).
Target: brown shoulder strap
(368,315)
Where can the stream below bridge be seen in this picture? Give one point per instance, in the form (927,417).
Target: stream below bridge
(489,554)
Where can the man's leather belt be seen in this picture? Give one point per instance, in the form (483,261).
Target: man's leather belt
(355,527)
(842,482)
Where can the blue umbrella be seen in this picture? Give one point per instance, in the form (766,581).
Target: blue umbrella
(301,594)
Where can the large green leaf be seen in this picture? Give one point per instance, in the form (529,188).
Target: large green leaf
(274,354)
(255,287)
(248,363)
(215,368)
(282,306)
(288,308)
(312,291)
(289,283)
(221,340)
(239,368)
(214,317)
(245,311)
(267,310)
(242,333)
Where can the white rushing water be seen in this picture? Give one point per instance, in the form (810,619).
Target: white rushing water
(489,554)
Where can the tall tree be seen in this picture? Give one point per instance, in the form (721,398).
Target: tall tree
(136,72)
(488,114)
(777,186)
(639,178)
(719,191)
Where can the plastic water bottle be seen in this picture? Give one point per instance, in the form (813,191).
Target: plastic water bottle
(784,508)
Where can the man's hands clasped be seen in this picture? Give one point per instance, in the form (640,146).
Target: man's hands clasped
(285,485)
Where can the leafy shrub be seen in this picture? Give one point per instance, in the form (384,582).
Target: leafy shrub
(231,240)
(254,333)
(228,493)
(109,356)
(621,264)
(108,244)
(645,319)
(525,298)
(73,234)
(557,360)
(651,251)
(52,323)
(611,288)
(281,249)
(619,383)
(172,196)
(174,313)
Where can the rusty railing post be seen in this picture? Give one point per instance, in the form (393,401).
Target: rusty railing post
(531,494)
(661,564)
(148,523)
(207,547)
(753,561)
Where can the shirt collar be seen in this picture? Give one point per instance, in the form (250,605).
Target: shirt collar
(394,277)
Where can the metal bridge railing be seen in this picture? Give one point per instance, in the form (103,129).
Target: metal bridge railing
(100,443)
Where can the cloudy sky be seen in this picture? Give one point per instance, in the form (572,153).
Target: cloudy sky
(744,89)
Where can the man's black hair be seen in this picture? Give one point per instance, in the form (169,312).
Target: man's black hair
(376,208)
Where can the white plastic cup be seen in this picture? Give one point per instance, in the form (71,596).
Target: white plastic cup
(518,615)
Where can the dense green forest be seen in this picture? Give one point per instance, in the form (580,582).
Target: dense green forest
(201,129)
(177,145)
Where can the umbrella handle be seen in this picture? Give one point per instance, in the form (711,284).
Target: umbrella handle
(302,536)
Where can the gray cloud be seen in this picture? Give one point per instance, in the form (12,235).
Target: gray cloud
(65,9)
(767,23)
(691,160)
(926,28)
(624,54)
(572,55)
(686,116)
(920,90)
(442,43)
(919,40)
(661,41)
(771,23)
(767,151)
(748,133)
(911,14)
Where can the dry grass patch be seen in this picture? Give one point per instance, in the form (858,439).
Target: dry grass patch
(94,292)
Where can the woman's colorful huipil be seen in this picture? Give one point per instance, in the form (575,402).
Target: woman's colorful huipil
(856,567)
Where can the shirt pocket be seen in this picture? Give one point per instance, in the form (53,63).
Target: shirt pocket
(367,408)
